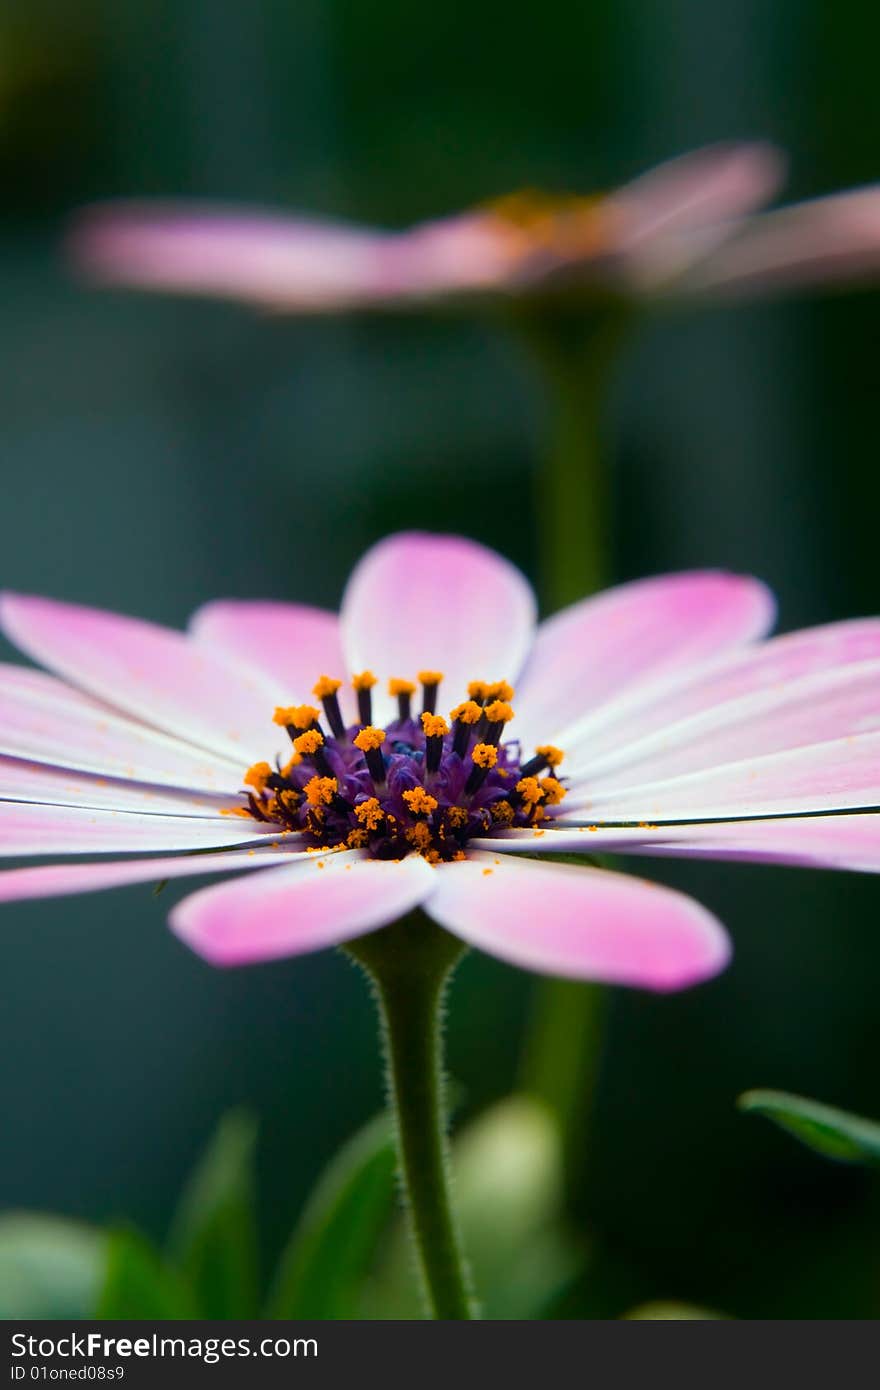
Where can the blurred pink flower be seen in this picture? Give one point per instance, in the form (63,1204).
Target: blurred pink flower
(681,228)
(683,734)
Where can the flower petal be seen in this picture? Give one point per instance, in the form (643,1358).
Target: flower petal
(701,188)
(639,639)
(294,264)
(43,720)
(773,665)
(28,828)
(583,923)
(832,842)
(822,241)
(842,774)
(62,880)
(24,781)
(287,912)
(149,671)
(831,705)
(423,602)
(289,643)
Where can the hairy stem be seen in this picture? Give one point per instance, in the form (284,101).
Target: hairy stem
(409,965)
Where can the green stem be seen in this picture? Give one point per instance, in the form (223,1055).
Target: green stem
(409,965)
(575,355)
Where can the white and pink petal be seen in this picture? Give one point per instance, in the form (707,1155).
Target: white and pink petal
(29,828)
(578,922)
(436,603)
(323,902)
(623,646)
(154,673)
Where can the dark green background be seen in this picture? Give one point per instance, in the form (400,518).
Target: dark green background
(156,453)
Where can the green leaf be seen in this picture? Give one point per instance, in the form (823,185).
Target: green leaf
(49,1267)
(830,1132)
(672,1312)
(508,1191)
(213,1241)
(320,1272)
(138,1283)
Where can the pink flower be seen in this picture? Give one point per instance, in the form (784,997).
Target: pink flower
(639,239)
(682,228)
(682,734)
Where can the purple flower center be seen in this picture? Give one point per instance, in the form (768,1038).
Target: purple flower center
(422,785)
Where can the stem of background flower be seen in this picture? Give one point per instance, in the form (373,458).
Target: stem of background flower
(575,354)
(409,965)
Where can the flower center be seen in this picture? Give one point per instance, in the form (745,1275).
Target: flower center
(559,224)
(423,785)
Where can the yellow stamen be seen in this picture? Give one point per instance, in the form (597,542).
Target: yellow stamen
(370,813)
(257,776)
(502,812)
(308,743)
(499,712)
(477,690)
(434,725)
(357,839)
(499,690)
(325,686)
(485,755)
(430,677)
(553,791)
(529,789)
(467,713)
(368,738)
(552,756)
(320,790)
(457,816)
(420,802)
(365,681)
(419,836)
(396,686)
(296,716)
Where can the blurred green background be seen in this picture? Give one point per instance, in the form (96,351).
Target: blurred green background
(156,453)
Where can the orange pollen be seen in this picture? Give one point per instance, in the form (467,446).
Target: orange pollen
(308,743)
(420,802)
(477,690)
(467,713)
(365,681)
(396,686)
(370,813)
(434,725)
(430,677)
(502,812)
(369,737)
(499,712)
(291,764)
(485,755)
(457,816)
(553,791)
(419,836)
(299,716)
(552,756)
(320,790)
(357,839)
(325,686)
(499,690)
(257,776)
(529,789)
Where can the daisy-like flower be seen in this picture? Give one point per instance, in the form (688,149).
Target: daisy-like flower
(683,229)
(429,747)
